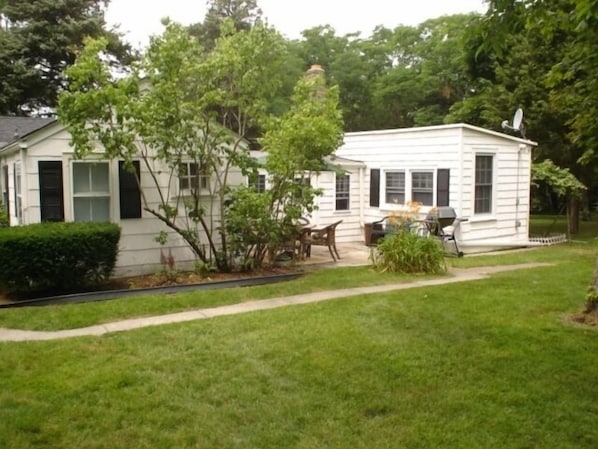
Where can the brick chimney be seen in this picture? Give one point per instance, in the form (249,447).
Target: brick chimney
(315,70)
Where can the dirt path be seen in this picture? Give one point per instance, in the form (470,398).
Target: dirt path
(457,275)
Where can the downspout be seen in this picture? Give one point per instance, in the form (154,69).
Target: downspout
(361,194)
(460,178)
(517,199)
(24,193)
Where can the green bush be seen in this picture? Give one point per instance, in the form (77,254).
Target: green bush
(407,252)
(3,216)
(56,257)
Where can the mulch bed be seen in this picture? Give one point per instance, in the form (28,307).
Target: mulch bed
(164,279)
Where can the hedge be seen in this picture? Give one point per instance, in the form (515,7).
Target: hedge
(57,257)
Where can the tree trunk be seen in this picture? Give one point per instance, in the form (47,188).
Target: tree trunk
(573,216)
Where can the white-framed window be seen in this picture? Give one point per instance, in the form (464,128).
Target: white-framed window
(192,177)
(18,192)
(258,182)
(484,175)
(91,191)
(342,197)
(395,187)
(422,187)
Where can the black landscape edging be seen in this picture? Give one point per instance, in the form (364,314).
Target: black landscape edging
(165,290)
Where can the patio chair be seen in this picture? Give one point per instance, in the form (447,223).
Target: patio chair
(324,236)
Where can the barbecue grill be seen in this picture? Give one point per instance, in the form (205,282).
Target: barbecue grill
(440,222)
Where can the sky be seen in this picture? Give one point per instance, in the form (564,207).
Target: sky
(139,20)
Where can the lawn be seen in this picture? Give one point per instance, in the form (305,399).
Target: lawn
(81,315)
(484,364)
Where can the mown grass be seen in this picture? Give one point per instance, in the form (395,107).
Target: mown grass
(484,364)
(69,316)
(80,315)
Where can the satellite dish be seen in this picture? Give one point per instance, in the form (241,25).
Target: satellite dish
(517,119)
(517,124)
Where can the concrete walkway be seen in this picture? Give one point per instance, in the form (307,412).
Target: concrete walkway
(456,275)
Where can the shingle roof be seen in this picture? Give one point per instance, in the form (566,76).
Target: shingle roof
(13,128)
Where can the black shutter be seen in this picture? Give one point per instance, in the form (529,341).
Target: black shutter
(442,187)
(5,189)
(51,199)
(130,196)
(375,187)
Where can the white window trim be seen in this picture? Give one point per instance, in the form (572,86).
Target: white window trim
(383,202)
(348,209)
(107,194)
(409,179)
(204,180)
(484,216)
(259,176)
(18,179)
(408,187)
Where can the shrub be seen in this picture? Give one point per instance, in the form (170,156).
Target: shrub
(3,216)
(56,257)
(406,252)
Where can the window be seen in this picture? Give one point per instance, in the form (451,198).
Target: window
(395,187)
(91,191)
(422,188)
(483,184)
(258,182)
(301,184)
(192,177)
(343,183)
(18,195)
(128,190)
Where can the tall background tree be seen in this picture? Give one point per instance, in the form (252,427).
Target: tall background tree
(38,40)
(536,55)
(243,14)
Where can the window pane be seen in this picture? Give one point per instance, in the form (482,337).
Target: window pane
(99,178)
(257,182)
(483,184)
(342,204)
(395,187)
(90,178)
(422,188)
(81,182)
(92,208)
(425,198)
(343,183)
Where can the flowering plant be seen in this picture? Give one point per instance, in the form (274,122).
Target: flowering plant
(405,216)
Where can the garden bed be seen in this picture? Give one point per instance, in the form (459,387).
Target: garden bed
(166,283)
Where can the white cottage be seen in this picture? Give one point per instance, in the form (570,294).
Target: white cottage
(484,175)
(41,180)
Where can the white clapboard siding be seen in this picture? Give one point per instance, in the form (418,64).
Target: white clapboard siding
(452,147)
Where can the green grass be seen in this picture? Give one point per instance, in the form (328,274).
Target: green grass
(81,315)
(485,364)
(69,316)
(541,225)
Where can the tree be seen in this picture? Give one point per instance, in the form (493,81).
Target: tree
(244,14)
(190,120)
(562,183)
(296,145)
(38,40)
(539,56)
